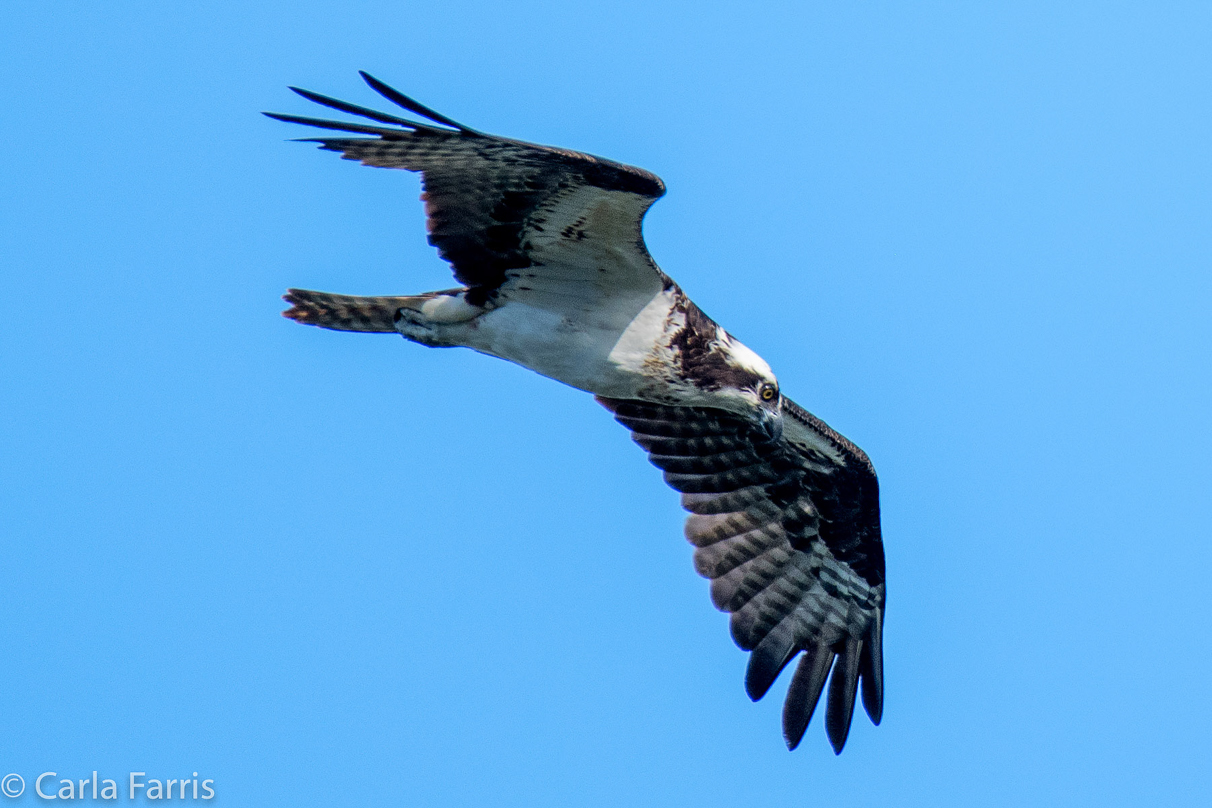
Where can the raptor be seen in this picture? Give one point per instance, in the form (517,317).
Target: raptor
(554,276)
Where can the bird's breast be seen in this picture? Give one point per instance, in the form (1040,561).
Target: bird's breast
(615,350)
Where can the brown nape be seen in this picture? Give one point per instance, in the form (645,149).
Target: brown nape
(343,312)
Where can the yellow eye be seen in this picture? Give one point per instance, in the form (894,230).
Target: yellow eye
(768,392)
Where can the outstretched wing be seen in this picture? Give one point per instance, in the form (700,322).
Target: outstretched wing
(788,532)
(556,227)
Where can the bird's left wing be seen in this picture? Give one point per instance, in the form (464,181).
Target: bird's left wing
(557,228)
(788,531)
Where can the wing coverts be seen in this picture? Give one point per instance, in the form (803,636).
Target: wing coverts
(787,530)
(489,199)
(788,538)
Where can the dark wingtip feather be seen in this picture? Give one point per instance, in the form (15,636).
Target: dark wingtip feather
(871,672)
(766,662)
(320,123)
(804,692)
(398,98)
(354,109)
(839,709)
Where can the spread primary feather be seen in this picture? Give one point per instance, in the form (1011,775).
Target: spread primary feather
(546,244)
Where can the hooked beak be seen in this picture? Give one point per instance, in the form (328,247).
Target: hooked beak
(770,422)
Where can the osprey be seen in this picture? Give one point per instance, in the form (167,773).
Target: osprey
(556,278)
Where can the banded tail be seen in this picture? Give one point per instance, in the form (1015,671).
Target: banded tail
(348,312)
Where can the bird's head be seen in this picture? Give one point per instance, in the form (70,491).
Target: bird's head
(748,387)
(714,369)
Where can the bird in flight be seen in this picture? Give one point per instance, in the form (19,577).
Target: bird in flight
(555,276)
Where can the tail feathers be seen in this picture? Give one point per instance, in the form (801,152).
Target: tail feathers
(347,312)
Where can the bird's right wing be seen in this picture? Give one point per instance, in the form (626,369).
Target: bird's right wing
(788,532)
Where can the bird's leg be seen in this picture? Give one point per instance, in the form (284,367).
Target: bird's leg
(436,319)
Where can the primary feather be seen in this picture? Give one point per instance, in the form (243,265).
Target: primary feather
(555,276)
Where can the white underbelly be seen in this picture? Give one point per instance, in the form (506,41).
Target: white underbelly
(605,352)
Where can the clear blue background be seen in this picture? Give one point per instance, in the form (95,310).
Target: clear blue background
(332,569)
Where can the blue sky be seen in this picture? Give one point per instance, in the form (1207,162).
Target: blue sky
(341,569)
